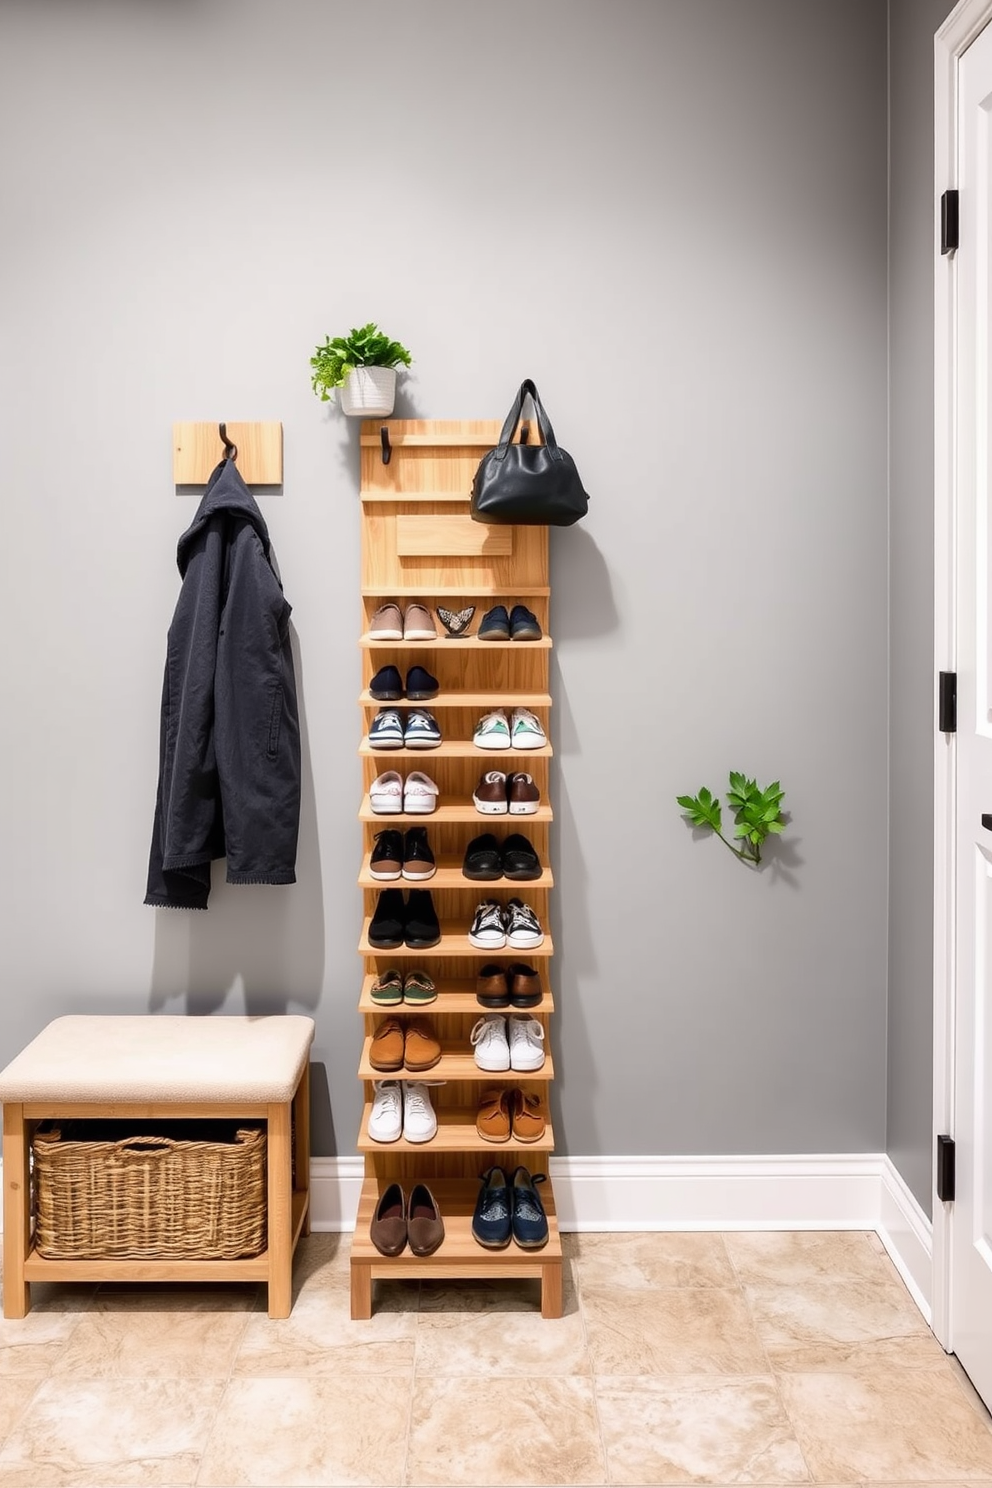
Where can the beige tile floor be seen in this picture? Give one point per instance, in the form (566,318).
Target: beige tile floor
(705,1359)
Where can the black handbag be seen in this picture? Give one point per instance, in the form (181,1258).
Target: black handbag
(533,485)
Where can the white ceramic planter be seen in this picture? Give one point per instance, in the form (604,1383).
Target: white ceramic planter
(369,392)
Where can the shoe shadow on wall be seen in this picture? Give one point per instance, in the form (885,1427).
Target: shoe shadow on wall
(258,949)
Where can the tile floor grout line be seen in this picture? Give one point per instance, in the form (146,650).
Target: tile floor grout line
(575,1278)
(225,1385)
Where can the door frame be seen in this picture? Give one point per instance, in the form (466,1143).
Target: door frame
(958,31)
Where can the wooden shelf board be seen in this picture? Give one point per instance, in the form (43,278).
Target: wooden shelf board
(455,942)
(463,699)
(453,996)
(452,749)
(39,1268)
(454,1064)
(412,498)
(427,441)
(449,875)
(455,1133)
(463,811)
(446,644)
(446,591)
(459,1255)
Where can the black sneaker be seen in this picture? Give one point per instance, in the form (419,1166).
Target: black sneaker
(387,685)
(386,928)
(524,624)
(520,861)
(482,858)
(418,856)
(495,625)
(420,685)
(386,858)
(421,928)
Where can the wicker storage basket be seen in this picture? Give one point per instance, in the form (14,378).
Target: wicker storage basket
(185,1191)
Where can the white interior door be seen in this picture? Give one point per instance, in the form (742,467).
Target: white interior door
(971,1220)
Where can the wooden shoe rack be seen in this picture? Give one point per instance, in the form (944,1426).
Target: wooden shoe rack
(420,543)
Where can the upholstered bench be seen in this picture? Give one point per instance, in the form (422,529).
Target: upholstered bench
(162,1068)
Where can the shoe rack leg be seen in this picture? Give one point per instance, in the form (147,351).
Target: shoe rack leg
(280,1164)
(301,1126)
(551,1302)
(16,1212)
(361,1290)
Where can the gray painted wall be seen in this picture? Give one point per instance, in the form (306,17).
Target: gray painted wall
(909,1114)
(673,216)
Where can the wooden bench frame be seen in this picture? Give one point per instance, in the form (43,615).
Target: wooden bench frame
(288,1206)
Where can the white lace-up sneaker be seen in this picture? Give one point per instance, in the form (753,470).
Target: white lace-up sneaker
(492,731)
(386,1116)
(526,730)
(492,1051)
(526,1043)
(386,794)
(419,1118)
(419,794)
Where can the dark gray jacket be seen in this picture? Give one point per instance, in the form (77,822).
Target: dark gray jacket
(229,760)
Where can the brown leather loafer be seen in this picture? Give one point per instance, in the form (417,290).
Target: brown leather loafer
(422,1050)
(386,1048)
(491,987)
(525,985)
(424,1225)
(388,1230)
(492,1121)
(527,1118)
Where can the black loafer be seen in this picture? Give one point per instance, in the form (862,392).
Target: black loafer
(482,858)
(520,861)
(387,685)
(524,624)
(495,625)
(422,929)
(386,928)
(420,685)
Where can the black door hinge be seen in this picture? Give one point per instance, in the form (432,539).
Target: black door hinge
(948,222)
(945,1169)
(947,703)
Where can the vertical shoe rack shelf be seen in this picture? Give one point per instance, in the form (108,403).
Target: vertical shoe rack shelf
(420,543)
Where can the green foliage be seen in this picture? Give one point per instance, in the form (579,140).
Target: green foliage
(364,347)
(757,812)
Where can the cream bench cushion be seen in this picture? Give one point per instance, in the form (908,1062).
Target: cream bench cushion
(146,1058)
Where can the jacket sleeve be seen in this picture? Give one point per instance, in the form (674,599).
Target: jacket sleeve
(256,720)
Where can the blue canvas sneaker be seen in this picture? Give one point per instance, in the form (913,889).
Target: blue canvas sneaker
(387,730)
(529,1222)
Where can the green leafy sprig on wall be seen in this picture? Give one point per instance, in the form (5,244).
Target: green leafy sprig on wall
(757,812)
(362,347)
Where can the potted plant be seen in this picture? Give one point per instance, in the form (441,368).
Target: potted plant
(363,365)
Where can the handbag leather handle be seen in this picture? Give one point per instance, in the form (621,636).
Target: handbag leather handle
(513,418)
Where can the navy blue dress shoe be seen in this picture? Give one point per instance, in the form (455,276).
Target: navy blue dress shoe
(529,1222)
(524,624)
(495,625)
(420,685)
(387,685)
(491,1221)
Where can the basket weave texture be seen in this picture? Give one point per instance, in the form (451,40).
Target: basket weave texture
(101,1190)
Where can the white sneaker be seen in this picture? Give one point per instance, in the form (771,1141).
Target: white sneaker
(419,794)
(526,730)
(419,1118)
(492,731)
(386,794)
(386,1116)
(526,1042)
(492,1051)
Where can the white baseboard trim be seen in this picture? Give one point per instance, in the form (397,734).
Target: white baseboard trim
(849,1191)
(907,1235)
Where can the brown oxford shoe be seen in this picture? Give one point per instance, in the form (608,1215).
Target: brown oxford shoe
(386,1048)
(491,988)
(525,985)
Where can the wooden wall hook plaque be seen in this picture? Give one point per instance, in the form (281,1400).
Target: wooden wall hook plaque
(197,448)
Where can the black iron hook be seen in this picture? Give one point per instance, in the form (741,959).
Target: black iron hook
(387,449)
(230,448)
